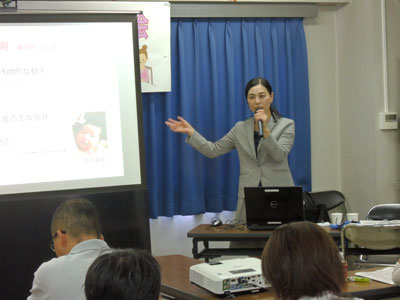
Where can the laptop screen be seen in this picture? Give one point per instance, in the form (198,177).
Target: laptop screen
(269,207)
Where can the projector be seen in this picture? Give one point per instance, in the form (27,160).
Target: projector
(229,276)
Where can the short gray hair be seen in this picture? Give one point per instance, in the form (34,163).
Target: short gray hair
(76,217)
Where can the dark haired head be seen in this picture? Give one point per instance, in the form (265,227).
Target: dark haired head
(124,275)
(301,259)
(265,83)
(77,217)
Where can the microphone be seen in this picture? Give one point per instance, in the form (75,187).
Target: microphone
(260,124)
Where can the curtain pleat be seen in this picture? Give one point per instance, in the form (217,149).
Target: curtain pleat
(211,62)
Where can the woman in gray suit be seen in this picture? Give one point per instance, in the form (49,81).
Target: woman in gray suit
(263,142)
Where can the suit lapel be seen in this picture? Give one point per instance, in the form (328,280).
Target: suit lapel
(271,125)
(250,136)
(249,130)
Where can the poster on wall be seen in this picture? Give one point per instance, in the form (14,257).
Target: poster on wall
(154,46)
(154,29)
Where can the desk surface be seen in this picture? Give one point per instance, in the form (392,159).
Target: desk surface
(175,282)
(225,231)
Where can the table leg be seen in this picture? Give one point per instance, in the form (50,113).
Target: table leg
(195,249)
(205,243)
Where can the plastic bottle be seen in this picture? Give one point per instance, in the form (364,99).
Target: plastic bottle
(344,263)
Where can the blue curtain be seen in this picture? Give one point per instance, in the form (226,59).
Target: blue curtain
(211,62)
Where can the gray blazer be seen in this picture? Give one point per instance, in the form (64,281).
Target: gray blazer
(270,166)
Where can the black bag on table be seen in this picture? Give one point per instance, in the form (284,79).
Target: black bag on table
(313,212)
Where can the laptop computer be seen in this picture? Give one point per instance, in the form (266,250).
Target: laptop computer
(269,207)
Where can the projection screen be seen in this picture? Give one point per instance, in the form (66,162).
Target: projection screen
(70,102)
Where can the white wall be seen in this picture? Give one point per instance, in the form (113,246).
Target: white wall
(369,157)
(389,142)
(348,151)
(322,65)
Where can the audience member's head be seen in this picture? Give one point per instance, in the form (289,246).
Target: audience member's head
(124,275)
(75,230)
(74,221)
(301,259)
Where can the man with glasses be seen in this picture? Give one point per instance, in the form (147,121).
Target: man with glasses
(77,242)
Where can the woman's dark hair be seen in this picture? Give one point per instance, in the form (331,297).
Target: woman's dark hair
(124,275)
(301,259)
(264,82)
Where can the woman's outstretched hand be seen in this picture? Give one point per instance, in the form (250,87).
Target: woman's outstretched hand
(180,125)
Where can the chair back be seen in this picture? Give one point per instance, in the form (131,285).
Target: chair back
(314,212)
(331,199)
(375,237)
(384,212)
(334,201)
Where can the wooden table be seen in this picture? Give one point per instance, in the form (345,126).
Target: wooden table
(205,233)
(175,283)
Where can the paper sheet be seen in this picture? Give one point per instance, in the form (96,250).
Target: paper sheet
(382,275)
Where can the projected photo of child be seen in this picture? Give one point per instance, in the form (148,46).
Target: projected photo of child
(90,133)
